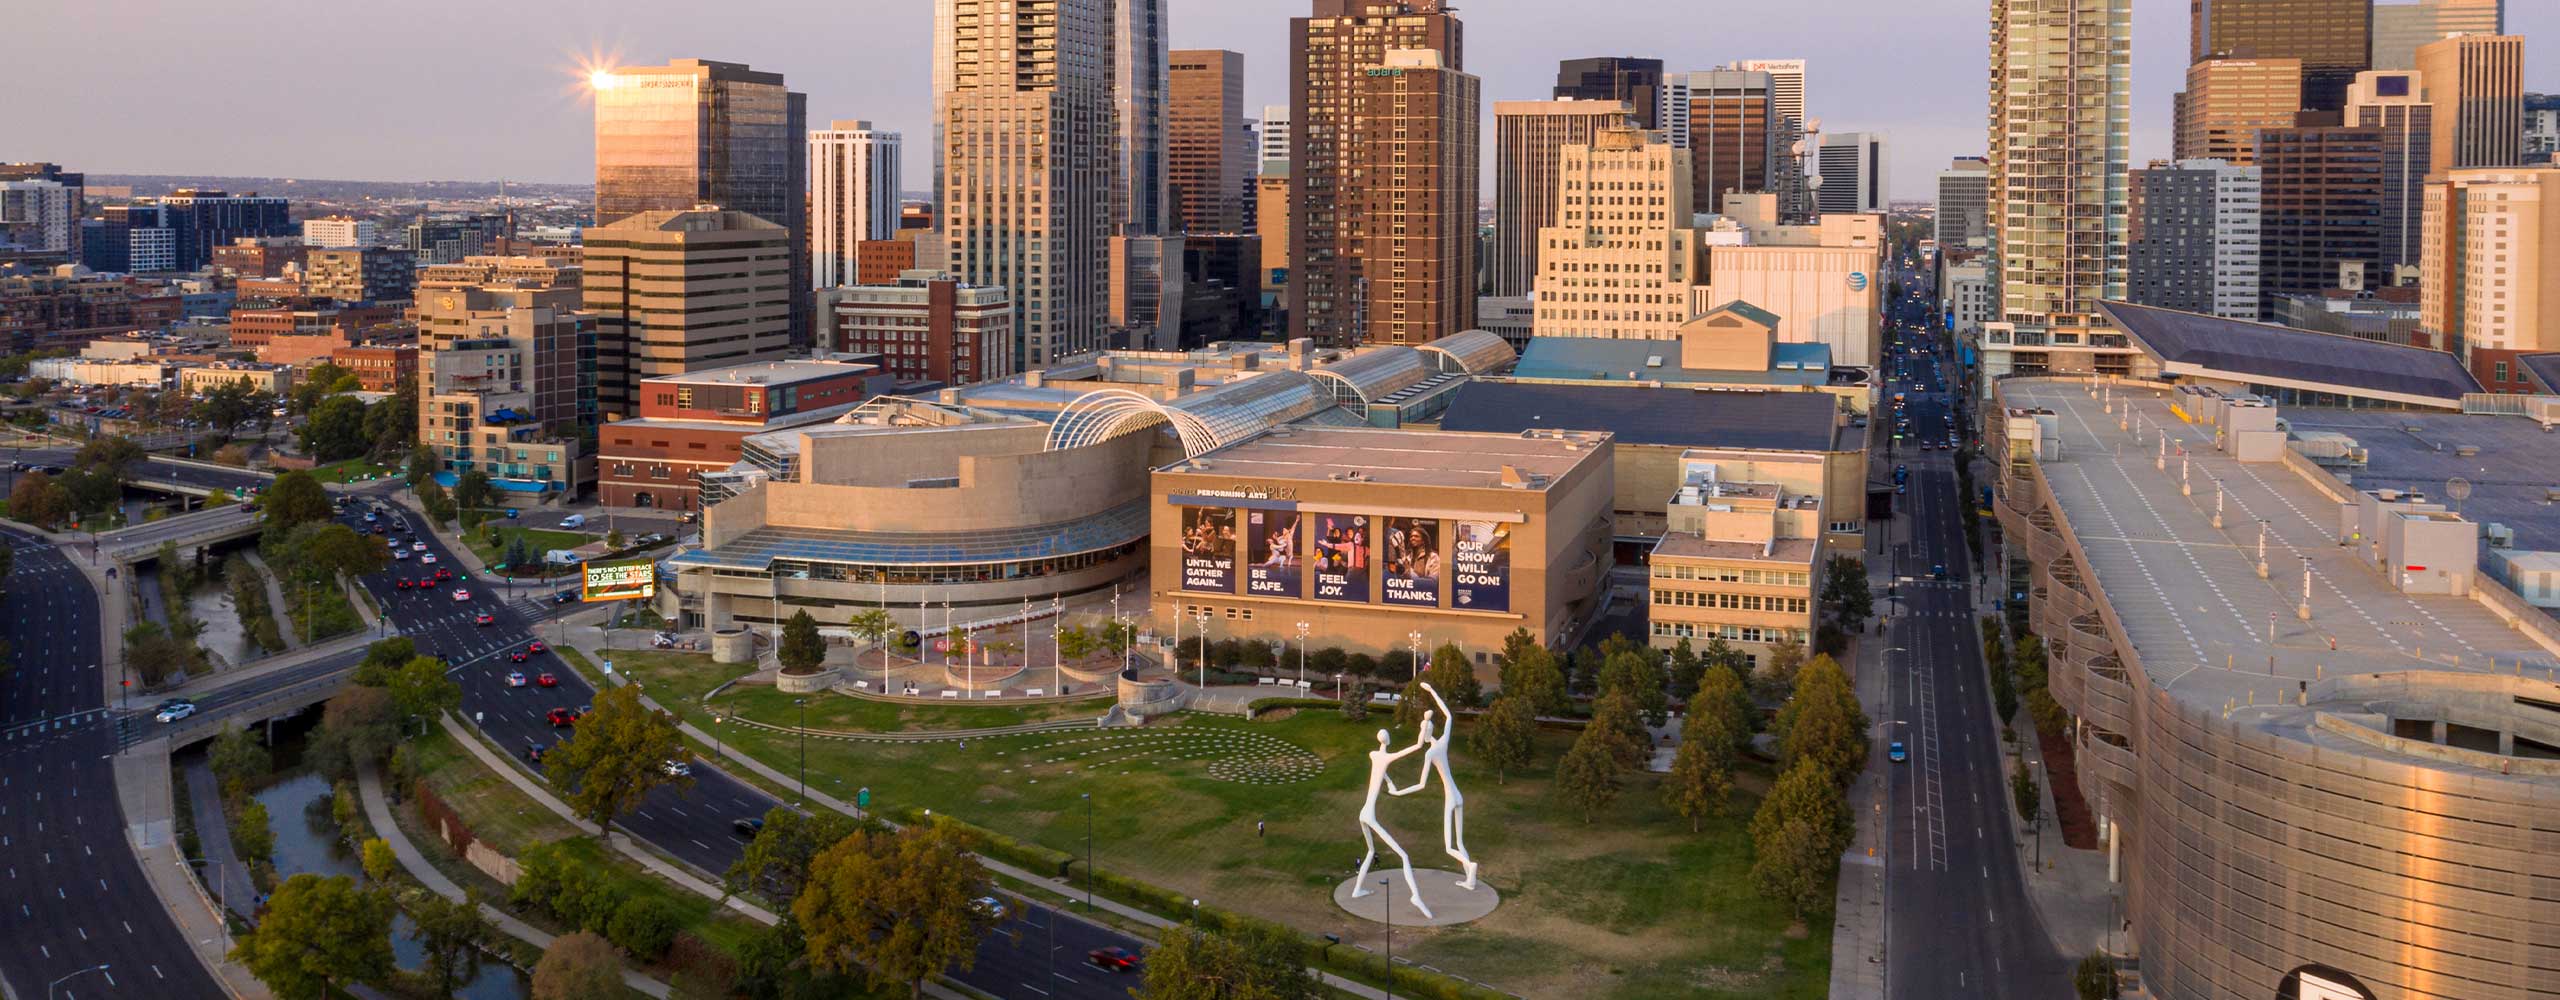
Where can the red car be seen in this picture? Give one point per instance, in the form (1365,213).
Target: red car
(515,657)
(546,680)
(1112,959)
(535,648)
(561,717)
(484,618)
(405,583)
(426,582)
(443,573)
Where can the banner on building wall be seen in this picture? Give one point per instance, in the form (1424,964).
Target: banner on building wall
(1274,564)
(1340,548)
(1209,549)
(1482,553)
(1412,562)
(628,580)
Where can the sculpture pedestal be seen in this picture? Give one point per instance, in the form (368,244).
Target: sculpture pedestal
(1449,904)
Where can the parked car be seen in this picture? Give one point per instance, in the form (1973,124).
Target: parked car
(677,769)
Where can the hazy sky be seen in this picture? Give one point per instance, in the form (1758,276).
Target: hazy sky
(481,89)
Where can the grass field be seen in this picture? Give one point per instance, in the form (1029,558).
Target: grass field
(1630,906)
(349,470)
(537,541)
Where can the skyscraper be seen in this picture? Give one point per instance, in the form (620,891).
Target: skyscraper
(2393,101)
(1412,212)
(1271,136)
(1336,47)
(1854,168)
(42,217)
(1031,113)
(2476,83)
(853,197)
(1138,58)
(2333,38)
(1733,126)
(2491,285)
(1621,247)
(680,291)
(1208,155)
(1792,141)
(2193,242)
(2337,202)
(697,132)
(2059,137)
(1529,140)
(1964,203)
(1637,82)
(2399,28)
(2228,100)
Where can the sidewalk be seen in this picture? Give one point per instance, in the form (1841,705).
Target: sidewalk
(142,788)
(377,810)
(2070,893)
(1859,913)
(275,601)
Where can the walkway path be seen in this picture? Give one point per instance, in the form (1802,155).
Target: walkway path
(233,888)
(377,810)
(275,601)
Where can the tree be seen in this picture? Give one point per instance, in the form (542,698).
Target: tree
(452,932)
(1634,673)
(2025,795)
(383,657)
(38,500)
(802,649)
(899,905)
(1249,963)
(356,728)
(1454,677)
(335,429)
(1411,702)
(1797,837)
(226,407)
(8,562)
(1823,723)
(1844,588)
(326,551)
(1075,642)
(580,966)
(2095,979)
(1720,711)
(1721,652)
(1532,674)
(472,492)
(1505,735)
(618,752)
(112,455)
(437,503)
(422,467)
(1619,730)
(776,863)
(612,538)
(1777,680)
(251,838)
(1701,780)
(1355,701)
(296,499)
(1587,777)
(1686,668)
(318,935)
(420,689)
(380,864)
(238,760)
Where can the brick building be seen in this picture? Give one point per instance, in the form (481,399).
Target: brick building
(880,262)
(379,366)
(926,327)
(51,312)
(693,423)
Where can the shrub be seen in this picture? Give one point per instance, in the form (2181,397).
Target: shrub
(644,926)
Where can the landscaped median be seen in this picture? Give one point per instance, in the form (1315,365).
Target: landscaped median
(1255,820)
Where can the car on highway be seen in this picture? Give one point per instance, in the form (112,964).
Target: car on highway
(484,618)
(460,595)
(404,583)
(533,752)
(443,573)
(988,907)
(1901,489)
(1113,959)
(677,769)
(175,710)
(515,679)
(1896,753)
(561,717)
(371,517)
(1937,571)
(428,558)
(417,546)
(426,583)
(547,679)
(400,554)
(536,647)
(746,826)
(515,656)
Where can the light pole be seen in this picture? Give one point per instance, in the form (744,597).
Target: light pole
(1302,655)
(1088,852)
(1387,903)
(48,987)
(803,705)
(1416,638)
(1201,616)
(221,891)
(1057,653)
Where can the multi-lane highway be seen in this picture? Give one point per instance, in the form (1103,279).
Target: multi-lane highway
(71,894)
(1959,920)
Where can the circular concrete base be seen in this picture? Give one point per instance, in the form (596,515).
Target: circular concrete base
(1449,904)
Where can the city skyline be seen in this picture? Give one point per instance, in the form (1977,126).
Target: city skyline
(522,114)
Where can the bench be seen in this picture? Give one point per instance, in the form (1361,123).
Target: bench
(1266,681)
(1034,693)
(1306,685)
(999,693)
(951,692)
(862,685)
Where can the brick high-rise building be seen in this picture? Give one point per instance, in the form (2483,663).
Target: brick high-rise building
(1412,209)
(853,198)
(1529,141)
(2227,101)
(674,292)
(2476,83)
(1336,47)
(1208,154)
(1637,82)
(360,274)
(926,326)
(2332,38)
(2490,289)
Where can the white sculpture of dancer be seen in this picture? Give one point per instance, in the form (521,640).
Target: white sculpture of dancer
(1371,832)
(1453,806)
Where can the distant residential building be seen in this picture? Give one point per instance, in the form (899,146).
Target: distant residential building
(1618,260)
(2227,101)
(1964,203)
(680,291)
(694,423)
(2193,244)
(1855,168)
(2491,277)
(2331,38)
(300,331)
(477,411)
(1964,294)
(259,257)
(2400,28)
(178,231)
(1412,210)
(1208,155)
(2541,128)
(366,274)
(340,231)
(34,226)
(1530,139)
(2476,84)
(55,311)
(445,239)
(928,327)
(696,132)
(1635,82)
(853,198)
(381,367)
(2059,130)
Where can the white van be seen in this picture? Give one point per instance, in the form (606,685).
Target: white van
(574,521)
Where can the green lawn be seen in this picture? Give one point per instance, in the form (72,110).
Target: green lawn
(1633,905)
(537,541)
(349,470)
(498,812)
(678,681)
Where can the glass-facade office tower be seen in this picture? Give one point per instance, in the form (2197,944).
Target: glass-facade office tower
(1964,203)
(2061,108)
(2227,101)
(1614,78)
(1208,153)
(853,197)
(1854,171)
(2333,38)
(1733,131)
(2399,28)
(697,132)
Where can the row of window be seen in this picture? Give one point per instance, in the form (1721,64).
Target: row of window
(1724,574)
(939,575)
(1728,633)
(1731,602)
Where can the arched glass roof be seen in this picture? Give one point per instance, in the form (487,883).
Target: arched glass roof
(1373,374)
(1471,352)
(1206,420)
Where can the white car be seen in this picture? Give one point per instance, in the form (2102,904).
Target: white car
(460,596)
(515,679)
(400,554)
(176,711)
(678,769)
(428,558)
(417,546)
(988,907)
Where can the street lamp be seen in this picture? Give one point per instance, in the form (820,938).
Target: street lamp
(1088,852)
(1416,637)
(803,705)
(1387,903)
(1202,616)
(1302,655)
(48,987)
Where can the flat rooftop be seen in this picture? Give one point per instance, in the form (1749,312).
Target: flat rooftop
(766,373)
(2514,465)
(1680,417)
(1397,457)
(1786,550)
(2208,629)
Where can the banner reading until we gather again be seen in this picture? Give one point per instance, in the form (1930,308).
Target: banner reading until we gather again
(1412,564)
(1482,553)
(1341,552)
(1209,549)
(1272,563)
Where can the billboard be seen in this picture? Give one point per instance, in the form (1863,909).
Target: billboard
(1482,554)
(1273,563)
(625,580)
(1341,551)
(1412,563)
(1209,549)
